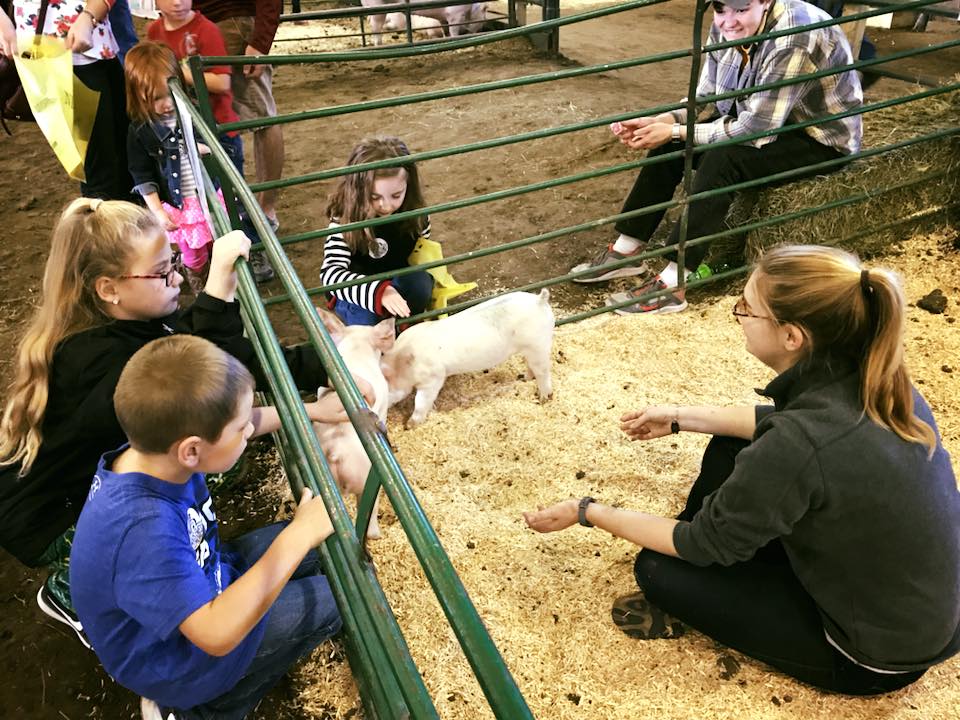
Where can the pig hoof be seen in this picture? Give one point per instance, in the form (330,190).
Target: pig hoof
(413,422)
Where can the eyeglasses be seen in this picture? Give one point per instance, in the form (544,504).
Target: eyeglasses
(740,311)
(167,277)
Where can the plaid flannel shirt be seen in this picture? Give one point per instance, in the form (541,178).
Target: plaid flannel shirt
(781,58)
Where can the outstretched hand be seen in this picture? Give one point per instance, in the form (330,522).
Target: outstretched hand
(648,423)
(556,517)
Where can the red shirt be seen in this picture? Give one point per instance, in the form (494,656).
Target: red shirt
(199,37)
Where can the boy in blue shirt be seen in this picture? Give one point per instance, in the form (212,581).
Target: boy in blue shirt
(198,628)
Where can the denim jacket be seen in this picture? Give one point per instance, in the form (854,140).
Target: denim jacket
(153,158)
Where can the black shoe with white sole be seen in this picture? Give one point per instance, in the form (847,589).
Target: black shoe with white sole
(52,607)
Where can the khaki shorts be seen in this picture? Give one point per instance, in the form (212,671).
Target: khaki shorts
(252,97)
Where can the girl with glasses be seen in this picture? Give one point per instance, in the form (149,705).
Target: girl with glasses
(821,534)
(110,286)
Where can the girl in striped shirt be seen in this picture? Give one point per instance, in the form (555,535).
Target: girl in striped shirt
(380,248)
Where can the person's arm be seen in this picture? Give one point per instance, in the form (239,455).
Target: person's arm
(221,625)
(265,24)
(80,36)
(652,132)
(649,531)
(142,167)
(767,109)
(337,257)
(152,199)
(222,279)
(656,421)
(216,82)
(8,36)
(326,409)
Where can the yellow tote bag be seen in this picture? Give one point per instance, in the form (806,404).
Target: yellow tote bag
(444,286)
(63,107)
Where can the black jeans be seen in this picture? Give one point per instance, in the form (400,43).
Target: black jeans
(716,169)
(757,607)
(105,165)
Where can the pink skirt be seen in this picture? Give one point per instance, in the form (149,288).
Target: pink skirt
(193,235)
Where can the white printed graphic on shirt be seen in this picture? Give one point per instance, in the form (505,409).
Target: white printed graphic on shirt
(94,486)
(197,527)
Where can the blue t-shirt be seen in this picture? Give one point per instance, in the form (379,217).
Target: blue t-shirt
(145,556)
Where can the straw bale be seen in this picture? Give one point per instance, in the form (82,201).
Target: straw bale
(490,451)
(871,175)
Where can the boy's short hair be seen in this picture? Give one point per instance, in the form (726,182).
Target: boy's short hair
(176,387)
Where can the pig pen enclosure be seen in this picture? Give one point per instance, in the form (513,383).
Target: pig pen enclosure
(527,167)
(514,153)
(489,450)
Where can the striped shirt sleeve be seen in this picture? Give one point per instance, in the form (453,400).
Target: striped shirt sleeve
(336,269)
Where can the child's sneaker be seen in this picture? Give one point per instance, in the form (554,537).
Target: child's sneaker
(642,620)
(52,607)
(602,270)
(667,301)
(149,710)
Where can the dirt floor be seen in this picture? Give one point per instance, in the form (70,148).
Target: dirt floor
(50,676)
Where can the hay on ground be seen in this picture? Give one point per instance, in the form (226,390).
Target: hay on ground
(873,225)
(490,451)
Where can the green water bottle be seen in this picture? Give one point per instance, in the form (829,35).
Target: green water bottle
(702,272)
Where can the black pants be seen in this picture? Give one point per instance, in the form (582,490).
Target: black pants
(105,165)
(757,607)
(716,169)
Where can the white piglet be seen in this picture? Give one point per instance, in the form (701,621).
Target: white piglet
(478,338)
(361,347)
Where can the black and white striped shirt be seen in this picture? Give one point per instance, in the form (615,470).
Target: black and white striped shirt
(341,265)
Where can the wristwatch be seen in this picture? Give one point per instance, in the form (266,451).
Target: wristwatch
(582,511)
(675,132)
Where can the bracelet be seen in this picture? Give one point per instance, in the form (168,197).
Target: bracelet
(675,423)
(93,18)
(582,511)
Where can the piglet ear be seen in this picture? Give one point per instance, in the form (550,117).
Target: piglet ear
(384,334)
(332,323)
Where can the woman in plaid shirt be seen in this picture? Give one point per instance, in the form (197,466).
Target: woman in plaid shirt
(742,118)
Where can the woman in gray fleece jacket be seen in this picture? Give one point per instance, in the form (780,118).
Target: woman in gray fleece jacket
(822,535)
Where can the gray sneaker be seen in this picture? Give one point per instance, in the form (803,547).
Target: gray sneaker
(260,265)
(601,270)
(668,301)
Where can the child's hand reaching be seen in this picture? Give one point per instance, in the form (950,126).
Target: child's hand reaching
(222,281)
(203,149)
(311,519)
(394,303)
(328,408)
(164,219)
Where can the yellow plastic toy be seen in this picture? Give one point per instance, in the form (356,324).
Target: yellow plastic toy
(63,106)
(444,286)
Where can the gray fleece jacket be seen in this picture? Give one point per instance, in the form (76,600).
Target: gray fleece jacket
(870,525)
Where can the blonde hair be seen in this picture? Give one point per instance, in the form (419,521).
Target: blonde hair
(176,387)
(92,238)
(846,311)
(350,201)
(147,68)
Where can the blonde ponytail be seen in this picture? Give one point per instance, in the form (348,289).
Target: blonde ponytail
(93,238)
(847,311)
